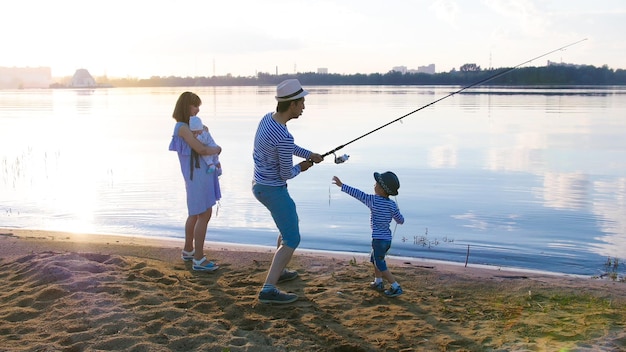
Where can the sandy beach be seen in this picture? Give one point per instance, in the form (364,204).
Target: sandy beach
(81,292)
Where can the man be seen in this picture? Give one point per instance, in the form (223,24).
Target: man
(274,149)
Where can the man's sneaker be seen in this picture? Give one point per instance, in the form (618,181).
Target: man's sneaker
(393,292)
(277,296)
(380,286)
(287,275)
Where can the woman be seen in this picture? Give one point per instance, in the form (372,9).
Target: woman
(203,189)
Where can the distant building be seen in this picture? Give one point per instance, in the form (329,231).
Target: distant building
(322,70)
(82,79)
(430,69)
(401,69)
(552,63)
(25,77)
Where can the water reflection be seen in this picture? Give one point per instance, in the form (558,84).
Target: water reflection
(609,205)
(443,156)
(565,191)
(472,220)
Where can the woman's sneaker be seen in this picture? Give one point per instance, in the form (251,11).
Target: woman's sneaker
(393,292)
(277,296)
(187,256)
(378,286)
(204,265)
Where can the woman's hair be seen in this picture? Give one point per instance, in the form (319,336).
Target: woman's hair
(283,106)
(181,111)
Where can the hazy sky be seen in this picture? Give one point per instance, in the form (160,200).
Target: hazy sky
(133,38)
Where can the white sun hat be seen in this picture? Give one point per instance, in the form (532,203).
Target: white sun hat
(289,89)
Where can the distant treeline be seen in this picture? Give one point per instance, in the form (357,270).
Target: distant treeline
(469,74)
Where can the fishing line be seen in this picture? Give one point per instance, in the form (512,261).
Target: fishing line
(343,158)
(395,227)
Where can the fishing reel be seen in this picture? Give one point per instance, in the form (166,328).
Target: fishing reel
(341,159)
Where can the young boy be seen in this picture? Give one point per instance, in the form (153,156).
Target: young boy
(383,210)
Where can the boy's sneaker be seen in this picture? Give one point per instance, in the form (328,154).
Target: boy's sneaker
(393,292)
(287,275)
(380,286)
(277,296)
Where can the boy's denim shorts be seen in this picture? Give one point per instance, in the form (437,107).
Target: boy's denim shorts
(379,251)
(283,209)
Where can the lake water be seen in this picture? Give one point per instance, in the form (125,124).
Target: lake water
(525,178)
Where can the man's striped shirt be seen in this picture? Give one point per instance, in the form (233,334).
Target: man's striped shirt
(273,153)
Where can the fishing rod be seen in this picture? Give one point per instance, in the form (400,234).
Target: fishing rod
(343,158)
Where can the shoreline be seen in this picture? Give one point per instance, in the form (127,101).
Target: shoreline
(172,242)
(82,292)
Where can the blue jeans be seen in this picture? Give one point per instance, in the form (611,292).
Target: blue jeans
(379,251)
(283,209)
